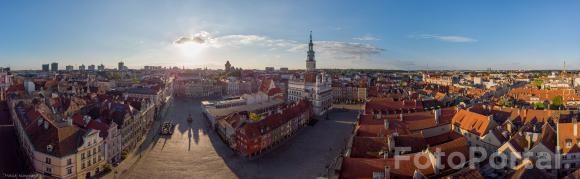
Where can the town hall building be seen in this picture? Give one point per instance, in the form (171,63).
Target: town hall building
(312,85)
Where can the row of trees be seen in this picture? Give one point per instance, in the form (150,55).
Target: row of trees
(556,103)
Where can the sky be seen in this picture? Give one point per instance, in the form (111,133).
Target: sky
(403,35)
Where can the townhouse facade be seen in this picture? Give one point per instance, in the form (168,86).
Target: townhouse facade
(255,137)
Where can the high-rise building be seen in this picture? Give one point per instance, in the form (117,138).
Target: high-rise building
(54,66)
(45,67)
(69,68)
(283,69)
(82,67)
(101,67)
(91,67)
(121,66)
(269,69)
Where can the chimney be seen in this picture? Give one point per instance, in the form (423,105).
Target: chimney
(387,172)
(437,114)
(86,120)
(529,139)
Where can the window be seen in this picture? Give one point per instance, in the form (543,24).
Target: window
(568,143)
(48,170)
(82,156)
(94,151)
(48,160)
(69,161)
(83,165)
(69,170)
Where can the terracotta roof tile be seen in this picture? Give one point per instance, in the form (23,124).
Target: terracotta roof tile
(473,122)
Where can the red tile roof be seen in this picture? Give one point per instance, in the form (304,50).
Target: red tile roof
(275,120)
(566,133)
(364,168)
(385,104)
(473,122)
(367,147)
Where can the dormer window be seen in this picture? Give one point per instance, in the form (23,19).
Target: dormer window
(568,143)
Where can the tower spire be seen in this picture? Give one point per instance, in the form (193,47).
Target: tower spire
(310,45)
(310,62)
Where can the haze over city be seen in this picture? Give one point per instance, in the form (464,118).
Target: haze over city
(399,35)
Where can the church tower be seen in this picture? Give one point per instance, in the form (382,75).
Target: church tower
(310,62)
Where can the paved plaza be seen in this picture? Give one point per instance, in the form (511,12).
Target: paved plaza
(195,151)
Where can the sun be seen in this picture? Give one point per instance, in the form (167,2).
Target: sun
(190,50)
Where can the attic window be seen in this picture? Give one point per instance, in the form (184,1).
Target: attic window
(568,143)
(578,142)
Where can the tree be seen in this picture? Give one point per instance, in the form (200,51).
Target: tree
(254,117)
(505,102)
(538,105)
(107,167)
(538,83)
(557,102)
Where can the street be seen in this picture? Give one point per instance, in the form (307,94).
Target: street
(194,151)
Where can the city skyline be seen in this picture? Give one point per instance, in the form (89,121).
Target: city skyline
(392,35)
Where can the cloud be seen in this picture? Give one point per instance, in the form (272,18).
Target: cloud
(338,49)
(347,49)
(446,38)
(335,53)
(366,38)
(199,38)
(209,40)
